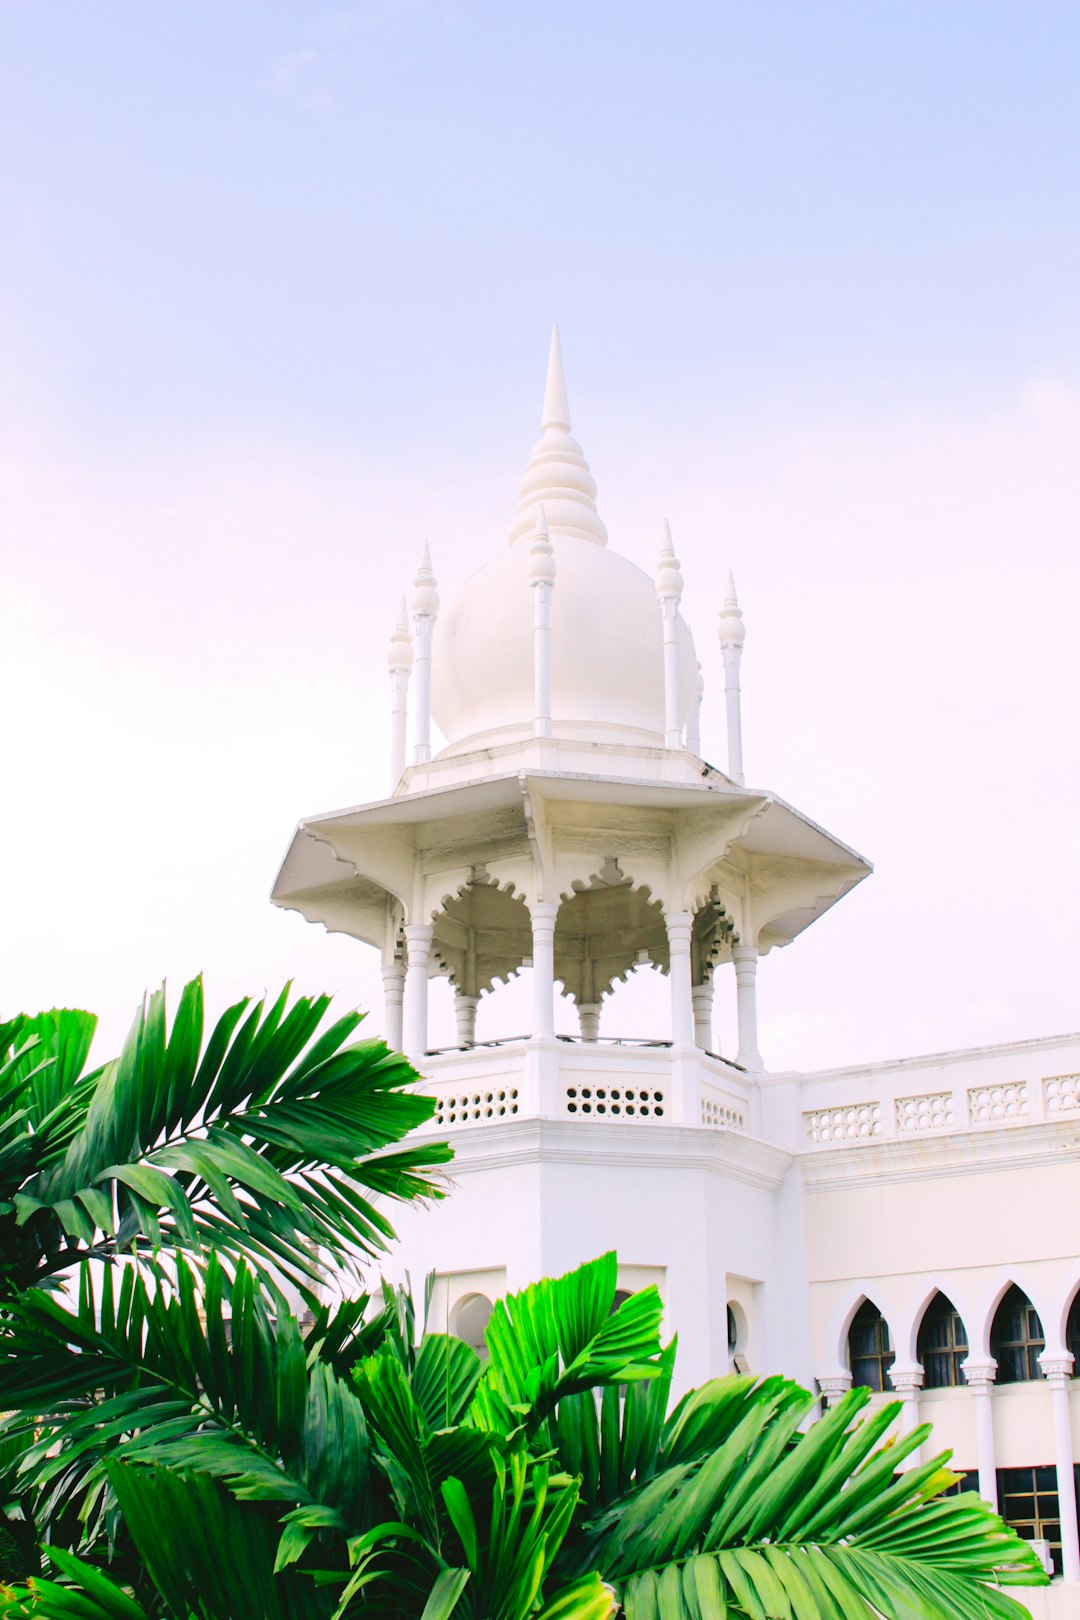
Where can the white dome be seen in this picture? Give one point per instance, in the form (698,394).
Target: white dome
(607,663)
(607,642)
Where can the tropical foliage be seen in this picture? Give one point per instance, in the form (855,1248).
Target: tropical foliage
(189,1451)
(265,1139)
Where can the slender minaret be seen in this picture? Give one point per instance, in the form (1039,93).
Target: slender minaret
(400,661)
(732,636)
(669,584)
(693,724)
(425,606)
(542,580)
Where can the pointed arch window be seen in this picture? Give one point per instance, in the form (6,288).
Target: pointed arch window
(1072,1333)
(942,1344)
(1017,1339)
(870,1351)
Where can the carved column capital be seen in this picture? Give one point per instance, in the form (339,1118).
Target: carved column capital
(1057,1367)
(833,1385)
(979,1375)
(907,1381)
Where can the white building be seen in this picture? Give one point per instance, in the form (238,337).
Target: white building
(885,1224)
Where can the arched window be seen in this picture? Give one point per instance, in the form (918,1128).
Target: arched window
(1072,1334)
(1016,1339)
(942,1344)
(732,1332)
(470,1318)
(870,1351)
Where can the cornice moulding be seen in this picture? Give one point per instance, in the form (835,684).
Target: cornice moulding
(631,1146)
(960,1153)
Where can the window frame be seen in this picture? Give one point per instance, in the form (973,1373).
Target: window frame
(942,1310)
(1012,1354)
(881,1356)
(1037,1525)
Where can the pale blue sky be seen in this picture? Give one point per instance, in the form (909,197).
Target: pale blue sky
(274,297)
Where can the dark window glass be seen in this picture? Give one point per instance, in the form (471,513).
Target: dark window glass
(1072,1334)
(969,1482)
(942,1345)
(1016,1339)
(1028,1500)
(870,1351)
(732,1331)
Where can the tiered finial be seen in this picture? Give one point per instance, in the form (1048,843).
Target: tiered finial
(401,650)
(732,629)
(425,595)
(669,581)
(541,554)
(558,475)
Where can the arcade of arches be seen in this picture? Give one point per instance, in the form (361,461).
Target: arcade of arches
(587,942)
(1028,1498)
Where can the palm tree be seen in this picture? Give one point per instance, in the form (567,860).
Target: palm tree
(225,1465)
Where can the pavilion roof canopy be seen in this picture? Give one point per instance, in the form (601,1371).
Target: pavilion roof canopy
(348,868)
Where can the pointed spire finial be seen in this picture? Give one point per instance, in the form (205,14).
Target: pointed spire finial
(732,629)
(557,474)
(541,553)
(556,413)
(425,596)
(669,581)
(401,649)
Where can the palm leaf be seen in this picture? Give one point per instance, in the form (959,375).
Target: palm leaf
(269,1139)
(780,1524)
(191,1371)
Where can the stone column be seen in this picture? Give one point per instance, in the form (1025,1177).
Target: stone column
(669,584)
(732,636)
(401,658)
(425,606)
(418,942)
(393,977)
(701,997)
(907,1382)
(679,925)
(465,1013)
(542,580)
(1057,1370)
(589,1020)
(980,1380)
(693,725)
(745,958)
(543,914)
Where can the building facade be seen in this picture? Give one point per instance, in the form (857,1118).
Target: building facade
(886,1226)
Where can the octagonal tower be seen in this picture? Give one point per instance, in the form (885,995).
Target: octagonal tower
(571,825)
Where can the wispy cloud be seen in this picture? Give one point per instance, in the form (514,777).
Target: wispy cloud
(335,46)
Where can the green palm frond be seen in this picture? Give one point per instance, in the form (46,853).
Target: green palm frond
(562,1337)
(271,1138)
(209,1556)
(780,1524)
(84,1594)
(187,1370)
